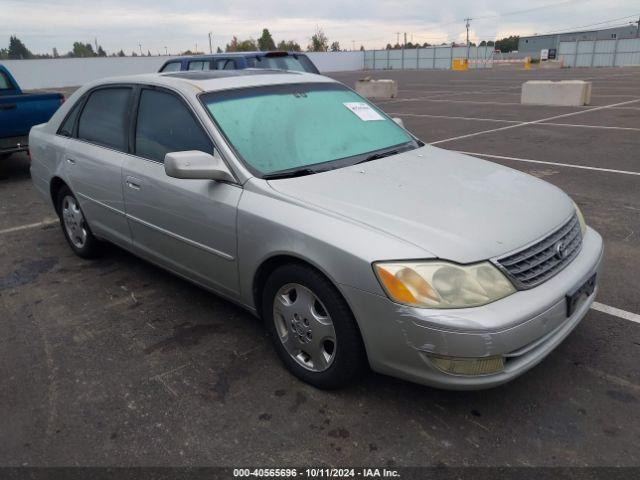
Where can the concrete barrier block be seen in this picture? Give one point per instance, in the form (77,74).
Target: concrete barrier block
(377,88)
(570,93)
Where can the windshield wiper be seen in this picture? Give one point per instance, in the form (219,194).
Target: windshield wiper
(386,153)
(377,156)
(290,173)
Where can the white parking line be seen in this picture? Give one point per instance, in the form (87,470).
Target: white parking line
(576,125)
(616,312)
(569,165)
(44,223)
(555,117)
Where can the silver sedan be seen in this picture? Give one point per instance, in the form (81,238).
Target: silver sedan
(356,243)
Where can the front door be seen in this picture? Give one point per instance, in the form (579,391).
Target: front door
(189,226)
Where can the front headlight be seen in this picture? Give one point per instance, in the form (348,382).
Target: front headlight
(439,284)
(583,224)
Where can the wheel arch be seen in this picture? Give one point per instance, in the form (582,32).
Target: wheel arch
(269,265)
(55,186)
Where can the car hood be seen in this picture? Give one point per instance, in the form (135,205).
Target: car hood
(454,206)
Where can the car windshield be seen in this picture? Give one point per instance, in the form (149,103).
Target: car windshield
(282,62)
(311,127)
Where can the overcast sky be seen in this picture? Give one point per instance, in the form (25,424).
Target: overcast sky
(181,24)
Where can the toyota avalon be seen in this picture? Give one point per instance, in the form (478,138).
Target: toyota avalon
(357,244)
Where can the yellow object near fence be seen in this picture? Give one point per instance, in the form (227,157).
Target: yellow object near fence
(460,64)
(527,63)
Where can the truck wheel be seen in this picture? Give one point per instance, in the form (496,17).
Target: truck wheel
(312,327)
(75,227)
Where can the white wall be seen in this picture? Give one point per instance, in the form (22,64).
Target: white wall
(337,61)
(71,72)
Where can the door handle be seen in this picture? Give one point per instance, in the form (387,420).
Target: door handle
(71,161)
(8,106)
(133,183)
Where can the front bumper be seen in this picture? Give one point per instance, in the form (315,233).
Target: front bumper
(523,328)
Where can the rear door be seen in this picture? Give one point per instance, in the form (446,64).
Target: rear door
(189,226)
(95,153)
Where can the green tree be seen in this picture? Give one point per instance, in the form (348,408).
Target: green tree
(101,52)
(335,47)
(218,50)
(82,50)
(4,54)
(121,53)
(362,48)
(289,46)
(507,44)
(241,45)
(319,42)
(265,42)
(18,50)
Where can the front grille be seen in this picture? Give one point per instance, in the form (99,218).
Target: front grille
(542,260)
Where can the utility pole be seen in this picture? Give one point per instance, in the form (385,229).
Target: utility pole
(405,40)
(353,45)
(140,45)
(467,20)
(96,42)
(210,46)
(638,29)
(166,51)
(397,38)
(196,52)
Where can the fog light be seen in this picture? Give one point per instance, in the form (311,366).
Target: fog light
(469,366)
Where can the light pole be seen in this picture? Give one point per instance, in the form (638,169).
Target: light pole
(166,51)
(467,20)
(210,46)
(140,46)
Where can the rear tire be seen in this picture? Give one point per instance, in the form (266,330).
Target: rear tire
(74,225)
(312,328)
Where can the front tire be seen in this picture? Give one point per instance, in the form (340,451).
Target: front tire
(312,327)
(74,225)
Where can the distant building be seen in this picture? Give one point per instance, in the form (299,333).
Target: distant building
(536,43)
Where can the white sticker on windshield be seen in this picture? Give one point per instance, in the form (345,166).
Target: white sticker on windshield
(363,111)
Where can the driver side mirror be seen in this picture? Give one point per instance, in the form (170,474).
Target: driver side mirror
(398,121)
(196,165)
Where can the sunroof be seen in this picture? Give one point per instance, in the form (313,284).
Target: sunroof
(210,74)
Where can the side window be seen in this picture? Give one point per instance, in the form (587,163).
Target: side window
(224,64)
(199,65)
(5,84)
(171,67)
(165,125)
(66,129)
(104,118)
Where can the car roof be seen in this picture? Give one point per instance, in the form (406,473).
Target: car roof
(232,54)
(199,81)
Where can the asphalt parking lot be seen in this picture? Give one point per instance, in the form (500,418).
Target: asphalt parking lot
(115,362)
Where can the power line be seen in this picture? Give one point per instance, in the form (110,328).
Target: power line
(569,29)
(518,12)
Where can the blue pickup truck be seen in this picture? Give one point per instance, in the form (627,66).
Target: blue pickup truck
(20,111)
